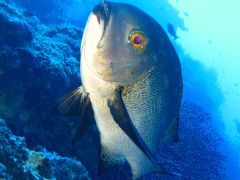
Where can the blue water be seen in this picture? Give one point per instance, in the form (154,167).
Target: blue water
(206,36)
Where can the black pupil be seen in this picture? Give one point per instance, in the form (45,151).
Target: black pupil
(138,40)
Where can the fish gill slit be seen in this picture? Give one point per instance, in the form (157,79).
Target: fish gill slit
(136,86)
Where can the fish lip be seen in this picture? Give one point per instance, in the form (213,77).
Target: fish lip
(102,11)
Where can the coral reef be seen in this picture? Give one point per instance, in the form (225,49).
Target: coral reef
(58,11)
(39,65)
(197,153)
(18,162)
(55,8)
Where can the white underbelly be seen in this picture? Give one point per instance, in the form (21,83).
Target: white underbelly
(112,137)
(115,140)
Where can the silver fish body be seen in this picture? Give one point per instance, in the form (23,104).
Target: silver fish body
(150,105)
(112,137)
(131,86)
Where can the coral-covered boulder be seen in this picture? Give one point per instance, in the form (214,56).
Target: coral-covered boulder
(18,162)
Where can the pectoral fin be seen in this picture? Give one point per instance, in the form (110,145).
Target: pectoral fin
(122,118)
(71,104)
(77,103)
(86,120)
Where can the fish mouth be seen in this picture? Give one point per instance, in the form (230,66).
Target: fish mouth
(102,12)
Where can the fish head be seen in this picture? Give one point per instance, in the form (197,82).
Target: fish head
(121,43)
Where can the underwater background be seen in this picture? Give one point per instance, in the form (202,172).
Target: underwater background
(39,64)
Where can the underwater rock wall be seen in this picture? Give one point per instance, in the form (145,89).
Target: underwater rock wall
(39,65)
(54,8)
(59,11)
(18,162)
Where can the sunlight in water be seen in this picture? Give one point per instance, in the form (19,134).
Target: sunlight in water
(213,38)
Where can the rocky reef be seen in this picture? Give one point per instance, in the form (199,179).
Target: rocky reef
(39,64)
(18,162)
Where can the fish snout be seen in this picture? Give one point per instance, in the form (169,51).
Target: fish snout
(102,11)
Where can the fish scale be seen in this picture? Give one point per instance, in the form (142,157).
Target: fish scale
(132,87)
(148,106)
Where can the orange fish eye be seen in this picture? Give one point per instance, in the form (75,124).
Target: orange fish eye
(138,41)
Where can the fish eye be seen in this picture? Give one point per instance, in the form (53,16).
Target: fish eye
(137,40)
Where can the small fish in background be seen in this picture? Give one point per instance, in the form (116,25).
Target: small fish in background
(171,31)
(131,86)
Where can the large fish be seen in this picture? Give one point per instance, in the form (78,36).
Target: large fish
(131,82)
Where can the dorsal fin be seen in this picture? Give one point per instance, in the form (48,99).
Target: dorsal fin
(77,103)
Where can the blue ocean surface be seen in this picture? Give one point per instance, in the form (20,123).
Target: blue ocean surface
(39,64)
